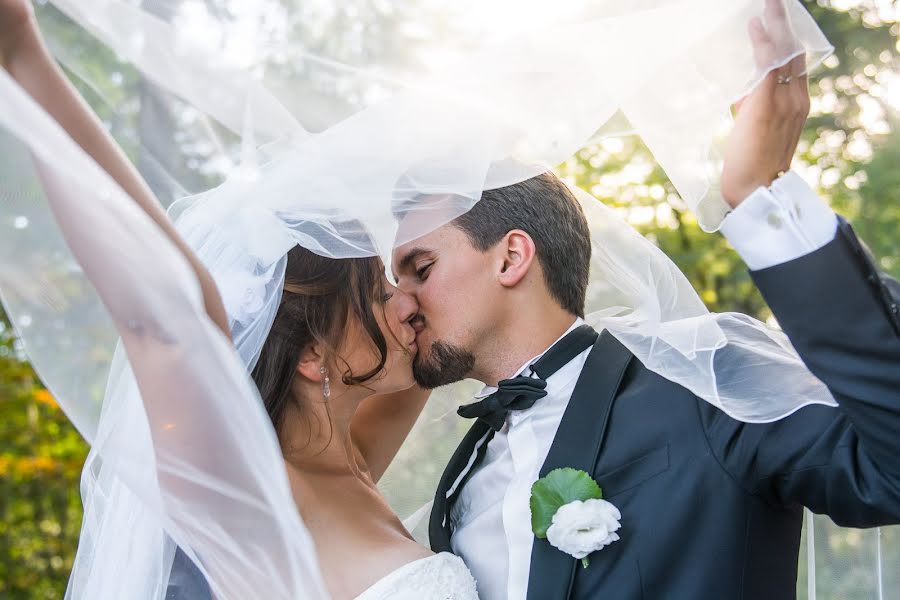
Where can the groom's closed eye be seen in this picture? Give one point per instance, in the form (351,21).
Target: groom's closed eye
(413,261)
(423,270)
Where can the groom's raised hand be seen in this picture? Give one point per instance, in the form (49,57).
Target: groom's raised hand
(770,120)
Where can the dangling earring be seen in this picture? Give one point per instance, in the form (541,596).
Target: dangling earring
(326,387)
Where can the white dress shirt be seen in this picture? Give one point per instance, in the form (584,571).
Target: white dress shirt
(491,519)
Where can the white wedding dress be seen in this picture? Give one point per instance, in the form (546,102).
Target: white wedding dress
(442,576)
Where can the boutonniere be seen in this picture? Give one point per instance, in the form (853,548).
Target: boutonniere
(567,508)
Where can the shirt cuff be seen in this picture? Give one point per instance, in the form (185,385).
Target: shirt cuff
(780,223)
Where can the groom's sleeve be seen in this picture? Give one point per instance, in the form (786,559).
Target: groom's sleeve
(842,317)
(779,223)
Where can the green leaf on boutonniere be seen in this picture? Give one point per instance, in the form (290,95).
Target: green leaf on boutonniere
(558,487)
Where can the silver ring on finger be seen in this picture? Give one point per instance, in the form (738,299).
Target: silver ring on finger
(784,79)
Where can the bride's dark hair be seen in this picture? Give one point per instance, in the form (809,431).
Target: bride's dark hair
(321,295)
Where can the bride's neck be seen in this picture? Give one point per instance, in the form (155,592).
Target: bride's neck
(315,432)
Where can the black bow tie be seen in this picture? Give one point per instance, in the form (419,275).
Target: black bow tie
(520,393)
(517,393)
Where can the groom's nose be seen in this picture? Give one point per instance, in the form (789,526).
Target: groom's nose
(407,307)
(406,286)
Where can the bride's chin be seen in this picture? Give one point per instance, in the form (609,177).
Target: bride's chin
(398,374)
(408,379)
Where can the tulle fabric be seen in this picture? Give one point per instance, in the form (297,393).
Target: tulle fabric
(183,450)
(394,126)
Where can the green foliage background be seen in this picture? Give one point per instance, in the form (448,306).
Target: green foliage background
(850,152)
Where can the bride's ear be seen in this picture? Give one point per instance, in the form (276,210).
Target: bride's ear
(311,363)
(518,255)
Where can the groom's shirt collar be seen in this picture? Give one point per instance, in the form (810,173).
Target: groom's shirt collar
(490,389)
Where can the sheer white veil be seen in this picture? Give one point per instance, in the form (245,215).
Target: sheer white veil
(409,118)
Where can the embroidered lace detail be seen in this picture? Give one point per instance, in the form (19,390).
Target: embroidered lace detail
(443,576)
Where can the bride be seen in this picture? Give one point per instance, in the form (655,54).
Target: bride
(334,373)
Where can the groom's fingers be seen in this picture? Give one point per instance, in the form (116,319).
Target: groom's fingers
(783,40)
(763,46)
(772,42)
(763,54)
(779,28)
(784,43)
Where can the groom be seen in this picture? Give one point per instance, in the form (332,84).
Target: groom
(711,507)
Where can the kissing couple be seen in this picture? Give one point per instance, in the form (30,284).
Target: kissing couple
(270,364)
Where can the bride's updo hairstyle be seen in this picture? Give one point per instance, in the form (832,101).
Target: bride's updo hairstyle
(321,295)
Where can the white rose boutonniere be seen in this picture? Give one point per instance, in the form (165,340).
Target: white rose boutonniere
(568,510)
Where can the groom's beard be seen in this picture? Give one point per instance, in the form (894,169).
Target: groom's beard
(445,364)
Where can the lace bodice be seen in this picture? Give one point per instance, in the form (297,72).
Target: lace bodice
(443,576)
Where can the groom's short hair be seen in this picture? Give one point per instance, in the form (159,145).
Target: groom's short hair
(544,208)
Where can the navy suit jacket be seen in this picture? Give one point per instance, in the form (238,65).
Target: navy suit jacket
(186,582)
(712,507)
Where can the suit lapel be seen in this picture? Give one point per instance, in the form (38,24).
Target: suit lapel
(577,444)
(439,521)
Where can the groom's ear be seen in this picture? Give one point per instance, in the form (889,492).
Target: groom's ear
(517,253)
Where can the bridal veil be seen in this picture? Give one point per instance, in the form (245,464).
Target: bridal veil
(346,128)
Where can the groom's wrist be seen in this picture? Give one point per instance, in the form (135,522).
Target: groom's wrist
(779,223)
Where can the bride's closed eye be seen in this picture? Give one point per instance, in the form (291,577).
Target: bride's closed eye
(387,296)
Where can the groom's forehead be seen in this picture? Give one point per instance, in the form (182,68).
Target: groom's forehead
(424,215)
(440,241)
(405,254)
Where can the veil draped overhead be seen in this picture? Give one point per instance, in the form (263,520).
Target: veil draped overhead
(327,125)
